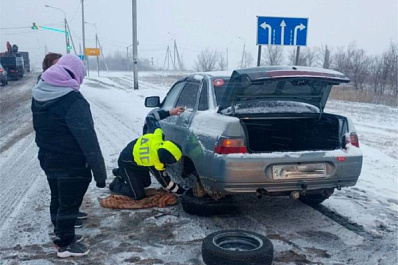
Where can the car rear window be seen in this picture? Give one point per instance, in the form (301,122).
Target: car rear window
(219,89)
(282,88)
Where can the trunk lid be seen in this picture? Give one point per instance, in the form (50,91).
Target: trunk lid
(279,90)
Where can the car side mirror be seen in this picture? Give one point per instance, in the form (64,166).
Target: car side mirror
(152,102)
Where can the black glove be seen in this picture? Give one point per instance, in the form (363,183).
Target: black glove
(101,184)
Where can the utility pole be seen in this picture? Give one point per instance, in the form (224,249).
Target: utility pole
(96,43)
(70,34)
(135,59)
(243,56)
(84,40)
(66,36)
(102,54)
(96,46)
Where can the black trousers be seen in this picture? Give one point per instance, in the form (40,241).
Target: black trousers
(67,191)
(133,179)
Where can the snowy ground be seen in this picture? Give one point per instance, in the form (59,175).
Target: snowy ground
(357,225)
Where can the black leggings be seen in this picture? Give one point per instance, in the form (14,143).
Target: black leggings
(67,191)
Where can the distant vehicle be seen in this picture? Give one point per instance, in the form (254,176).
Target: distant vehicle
(262,130)
(26,60)
(13,64)
(3,76)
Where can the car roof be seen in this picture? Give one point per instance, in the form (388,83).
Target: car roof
(200,75)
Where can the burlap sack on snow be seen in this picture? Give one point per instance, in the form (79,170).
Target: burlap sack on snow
(154,198)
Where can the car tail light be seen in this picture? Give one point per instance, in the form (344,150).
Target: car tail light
(231,146)
(352,138)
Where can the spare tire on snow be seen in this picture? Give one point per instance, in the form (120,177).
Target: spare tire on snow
(207,206)
(237,247)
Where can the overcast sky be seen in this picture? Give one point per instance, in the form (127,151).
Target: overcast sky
(196,25)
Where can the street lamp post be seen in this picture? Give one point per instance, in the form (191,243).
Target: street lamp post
(66,30)
(96,42)
(243,52)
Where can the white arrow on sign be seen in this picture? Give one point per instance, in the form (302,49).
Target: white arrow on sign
(299,27)
(265,25)
(283,25)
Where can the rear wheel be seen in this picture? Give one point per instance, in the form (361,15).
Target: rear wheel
(207,206)
(237,247)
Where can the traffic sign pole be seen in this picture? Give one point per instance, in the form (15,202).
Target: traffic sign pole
(259,55)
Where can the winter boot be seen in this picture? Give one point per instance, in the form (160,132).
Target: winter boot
(79,223)
(75,249)
(81,216)
(115,172)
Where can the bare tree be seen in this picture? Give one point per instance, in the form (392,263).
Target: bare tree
(273,55)
(310,56)
(221,63)
(390,61)
(292,57)
(358,62)
(207,61)
(324,59)
(340,61)
(375,69)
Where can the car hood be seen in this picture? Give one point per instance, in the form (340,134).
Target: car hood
(249,88)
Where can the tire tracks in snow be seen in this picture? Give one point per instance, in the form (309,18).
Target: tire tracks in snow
(18,175)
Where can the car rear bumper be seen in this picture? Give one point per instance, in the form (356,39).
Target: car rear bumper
(250,172)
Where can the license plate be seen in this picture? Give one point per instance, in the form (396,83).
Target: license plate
(294,171)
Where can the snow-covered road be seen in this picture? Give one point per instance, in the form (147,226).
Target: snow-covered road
(355,226)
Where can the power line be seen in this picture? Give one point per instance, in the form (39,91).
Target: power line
(77,9)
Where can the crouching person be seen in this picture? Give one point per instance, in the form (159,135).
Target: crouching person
(148,153)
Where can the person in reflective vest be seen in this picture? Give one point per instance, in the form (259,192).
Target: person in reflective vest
(148,153)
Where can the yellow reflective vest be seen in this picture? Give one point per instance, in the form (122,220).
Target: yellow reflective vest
(145,151)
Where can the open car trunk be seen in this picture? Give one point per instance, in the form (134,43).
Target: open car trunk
(294,133)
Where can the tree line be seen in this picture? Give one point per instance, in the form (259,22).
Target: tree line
(377,73)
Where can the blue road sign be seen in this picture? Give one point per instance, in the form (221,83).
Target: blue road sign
(282,31)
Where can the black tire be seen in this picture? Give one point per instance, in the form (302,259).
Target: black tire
(237,247)
(314,199)
(207,206)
